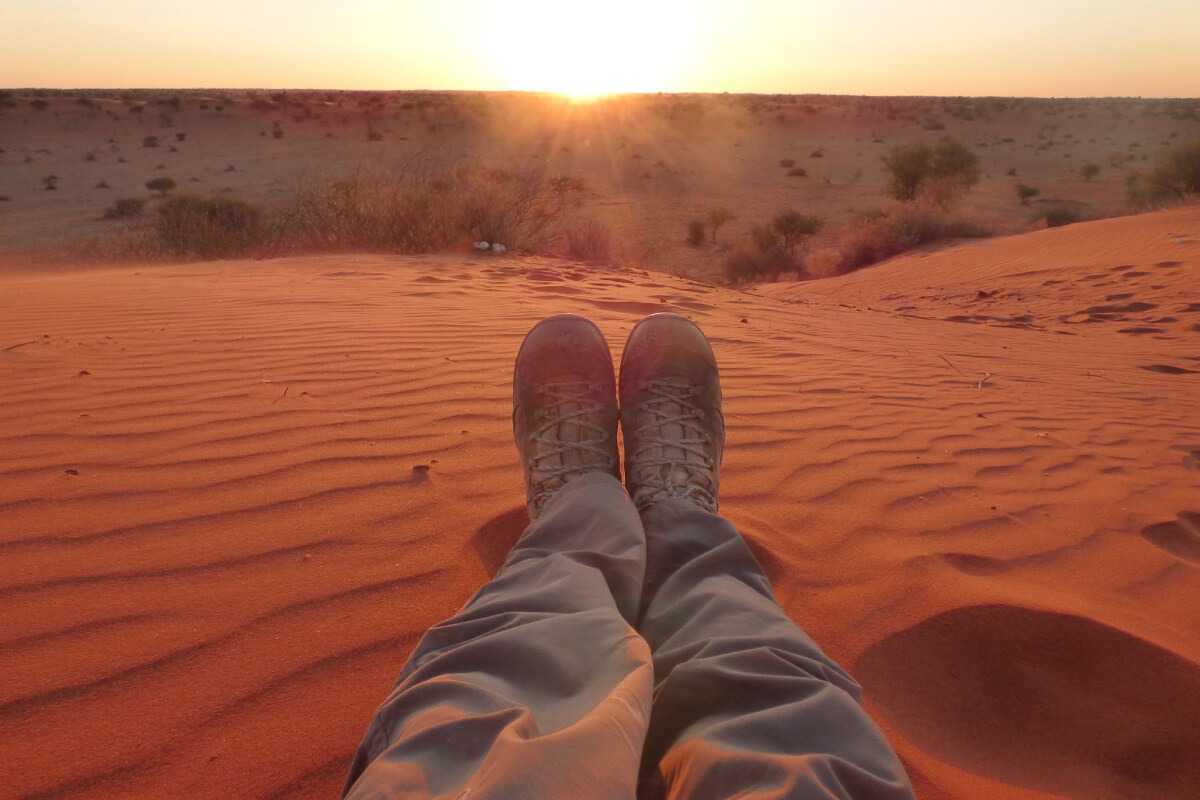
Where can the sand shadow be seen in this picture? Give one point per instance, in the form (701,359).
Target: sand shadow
(494,538)
(1044,700)
(1180,537)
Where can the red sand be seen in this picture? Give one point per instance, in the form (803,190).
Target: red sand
(233,495)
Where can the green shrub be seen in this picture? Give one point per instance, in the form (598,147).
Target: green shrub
(208,226)
(947,166)
(773,249)
(125,208)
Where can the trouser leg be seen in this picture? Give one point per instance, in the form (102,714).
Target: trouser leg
(540,686)
(746,705)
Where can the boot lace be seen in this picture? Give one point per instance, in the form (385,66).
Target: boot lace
(688,470)
(567,404)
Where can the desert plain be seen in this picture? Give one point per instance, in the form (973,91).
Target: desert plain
(234,493)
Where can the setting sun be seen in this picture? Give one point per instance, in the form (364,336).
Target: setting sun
(583,51)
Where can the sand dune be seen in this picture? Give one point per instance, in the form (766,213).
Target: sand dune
(232,496)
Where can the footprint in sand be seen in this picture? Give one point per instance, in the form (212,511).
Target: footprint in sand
(1180,537)
(989,686)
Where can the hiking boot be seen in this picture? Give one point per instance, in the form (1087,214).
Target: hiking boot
(671,413)
(564,406)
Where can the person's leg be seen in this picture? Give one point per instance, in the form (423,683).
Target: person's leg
(746,705)
(539,687)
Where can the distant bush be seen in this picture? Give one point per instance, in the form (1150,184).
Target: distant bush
(39,104)
(1025,193)
(150,141)
(797,172)
(125,208)
(374,136)
(787,163)
(943,168)
(1059,215)
(1176,174)
(1088,170)
(208,226)
(716,218)
(161,185)
(697,232)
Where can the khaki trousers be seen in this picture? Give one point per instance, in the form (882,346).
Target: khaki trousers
(617,656)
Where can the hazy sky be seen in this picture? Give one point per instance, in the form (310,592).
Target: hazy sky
(927,47)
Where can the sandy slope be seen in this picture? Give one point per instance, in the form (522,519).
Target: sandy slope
(233,495)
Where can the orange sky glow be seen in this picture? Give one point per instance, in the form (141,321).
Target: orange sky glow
(876,47)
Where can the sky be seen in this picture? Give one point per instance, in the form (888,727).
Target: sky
(1041,48)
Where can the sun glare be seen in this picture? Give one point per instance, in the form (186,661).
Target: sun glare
(585,50)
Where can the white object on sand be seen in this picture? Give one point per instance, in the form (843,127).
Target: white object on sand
(482,245)
(498,248)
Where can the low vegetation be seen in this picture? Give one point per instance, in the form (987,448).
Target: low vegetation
(893,231)
(1175,178)
(940,170)
(773,248)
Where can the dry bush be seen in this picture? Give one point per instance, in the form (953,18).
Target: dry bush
(904,227)
(697,232)
(200,226)
(773,248)
(125,207)
(421,209)
(589,240)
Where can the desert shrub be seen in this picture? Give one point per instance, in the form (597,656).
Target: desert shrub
(818,153)
(914,167)
(277,133)
(125,208)
(697,232)
(589,240)
(39,104)
(150,141)
(1176,173)
(716,218)
(1058,215)
(181,136)
(374,136)
(902,228)
(1088,170)
(773,247)
(161,185)
(1025,193)
(787,163)
(421,209)
(790,228)
(797,172)
(208,226)
(748,264)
